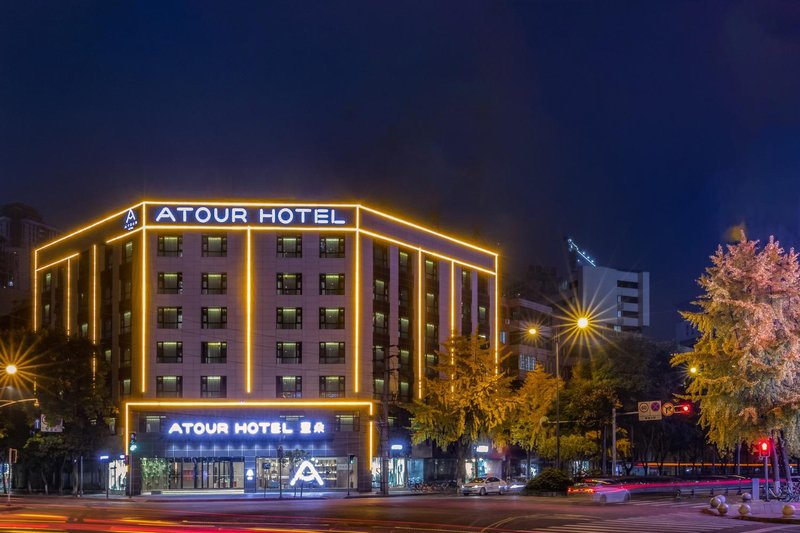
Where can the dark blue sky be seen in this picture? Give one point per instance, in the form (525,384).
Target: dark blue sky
(642,129)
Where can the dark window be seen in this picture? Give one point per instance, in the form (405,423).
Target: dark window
(630,314)
(170,317)
(169,386)
(169,352)
(380,290)
(627,284)
(170,282)
(290,283)
(125,289)
(47,282)
(214,283)
(330,284)
(628,299)
(431,270)
(331,247)
(213,386)
(170,245)
(125,357)
(331,353)
(380,256)
(289,318)
(331,318)
(125,323)
(404,264)
(127,252)
(46,315)
(215,245)
(214,318)
(290,246)
(289,352)
(431,303)
(331,386)
(289,386)
(346,423)
(214,352)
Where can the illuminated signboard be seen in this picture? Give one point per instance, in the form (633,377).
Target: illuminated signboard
(130,220)
(306,472)
(192,428)
(251,216)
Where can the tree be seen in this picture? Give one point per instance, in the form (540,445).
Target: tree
(748,355)
(466,397)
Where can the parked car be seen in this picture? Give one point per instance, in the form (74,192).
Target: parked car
(600,491)
(484,486)
(516,484)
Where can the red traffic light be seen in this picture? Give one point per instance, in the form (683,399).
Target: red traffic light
(764,447)
(684,408)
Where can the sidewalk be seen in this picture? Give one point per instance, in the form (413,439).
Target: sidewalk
(760,511)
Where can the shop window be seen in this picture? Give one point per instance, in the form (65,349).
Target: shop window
(289,386)
(170,317)
(169,386)
(331,353)
(213,386)
(289,352)
(214,283)
(170,245)
(331,386)
(289,283)
(331,246)
(331,284)
(214,352)
(331,318)
(169,352)
(290,246)
(346,423)
(289,318)
(170,283)
(215,245)
(214,318)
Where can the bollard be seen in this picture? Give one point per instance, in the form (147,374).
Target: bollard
(722,498)
(746,497)
(788,510)
(723,508)
(744,509)
(715,502)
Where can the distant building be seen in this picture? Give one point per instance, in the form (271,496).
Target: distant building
(617,299)
(526,352)
(21,230)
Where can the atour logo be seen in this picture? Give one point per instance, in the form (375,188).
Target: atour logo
(131,221)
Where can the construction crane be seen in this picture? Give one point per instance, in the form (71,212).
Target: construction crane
(573,247)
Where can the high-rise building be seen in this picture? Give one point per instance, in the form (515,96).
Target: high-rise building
(616,299)
(236,332)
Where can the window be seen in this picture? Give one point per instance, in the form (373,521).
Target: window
(627,284)
(170,245)
(331,353)
(169,386)
(380,324)
(213,386)
(404,265)
(346,423)
(331,246)
(125,289)
(46,315)
(214,318)
(431,270)
(630,314)
(290,283)
(404,328)
(213,352)
(627,299)
(48,281)
(214,283)
(152,424)
(170,317)
(289,386)
(431,303)
(125,387)
(380,256)
(380,290)
(289,352)
(290,318)
(331,318)
(125,323)
(127,252)
(170,283)
(331,386)
(331,284)
(169,352)
(215,245)
(125,357)
(290,246)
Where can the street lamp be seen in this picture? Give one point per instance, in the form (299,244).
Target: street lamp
(11,369)
(581,323)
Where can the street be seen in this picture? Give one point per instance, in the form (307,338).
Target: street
(509,513)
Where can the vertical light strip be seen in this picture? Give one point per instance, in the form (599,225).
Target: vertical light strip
(453,329)
(357,306)
(143,313)
(94,312)
(69,291)
(35,290)
(371,450)
(496,307)
(420,326)
(127,430)
(248,341)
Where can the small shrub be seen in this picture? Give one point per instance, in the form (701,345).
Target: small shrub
(550,480)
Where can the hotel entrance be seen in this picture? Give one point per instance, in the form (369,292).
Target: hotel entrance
(206,473)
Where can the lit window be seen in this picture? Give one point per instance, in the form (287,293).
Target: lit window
(330,246)
(290,246)
(331,386)
(289,352)
(289,318)
(289,283)
(346,423)
(331,284)
(169,386)
(214,352)
(331,353)
(170,283)
(215,245)
(169,352)
(170,317)
(214,318)
(214,283)
(380,290)
(289,386)
(170,245)
(125,323)
(213,386)
(331,318)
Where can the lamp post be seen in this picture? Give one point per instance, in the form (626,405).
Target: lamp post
(580,323)
(385,422)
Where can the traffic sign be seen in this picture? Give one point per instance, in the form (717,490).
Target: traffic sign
(649,411)
(667,408)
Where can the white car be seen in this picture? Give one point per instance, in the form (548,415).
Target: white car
(600,491)
(484,486)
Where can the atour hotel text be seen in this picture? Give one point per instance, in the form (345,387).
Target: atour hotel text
(273,216)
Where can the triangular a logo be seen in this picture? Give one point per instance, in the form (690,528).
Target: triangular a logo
(306,472)
(130,220)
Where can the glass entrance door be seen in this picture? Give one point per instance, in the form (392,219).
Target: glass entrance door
(207,473)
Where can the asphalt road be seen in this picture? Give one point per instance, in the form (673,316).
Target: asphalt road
(425,514)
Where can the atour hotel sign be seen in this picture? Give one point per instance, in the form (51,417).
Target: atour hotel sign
(273,216)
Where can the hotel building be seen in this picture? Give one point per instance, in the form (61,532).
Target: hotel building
(237,332)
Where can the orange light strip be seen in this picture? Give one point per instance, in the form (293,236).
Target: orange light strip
(496,315)
(57,261)
(35,276)
(427,252)
(69,294)
(420,345)
(248,315)
(143,317)
(123,235)
(452,317)
(357,308)
(90,226)
(284,229)
(94,312)
(427,230)
(371,444)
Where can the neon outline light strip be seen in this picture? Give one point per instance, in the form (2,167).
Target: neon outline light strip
(90,226)
(420,345)
(496,315)
(94,312)
(57,261)
(248,311)
(357,308)
(69,293)
(143,340)
(35,290)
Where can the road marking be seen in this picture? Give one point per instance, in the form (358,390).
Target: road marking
(675,523)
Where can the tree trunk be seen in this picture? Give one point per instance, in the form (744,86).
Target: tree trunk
(460,466)
(738,469)
(785,459)
(776,467)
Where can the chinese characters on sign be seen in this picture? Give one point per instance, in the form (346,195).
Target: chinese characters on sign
(245,428)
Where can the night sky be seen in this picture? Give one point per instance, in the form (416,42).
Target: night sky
(643,129)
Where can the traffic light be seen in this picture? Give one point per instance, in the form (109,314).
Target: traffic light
(764,447)
(132,446)
(684,408)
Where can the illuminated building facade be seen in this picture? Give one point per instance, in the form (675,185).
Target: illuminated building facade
(238,331)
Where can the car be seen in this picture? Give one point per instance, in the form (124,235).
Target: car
(600,491)
(484,486)
(516,484)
